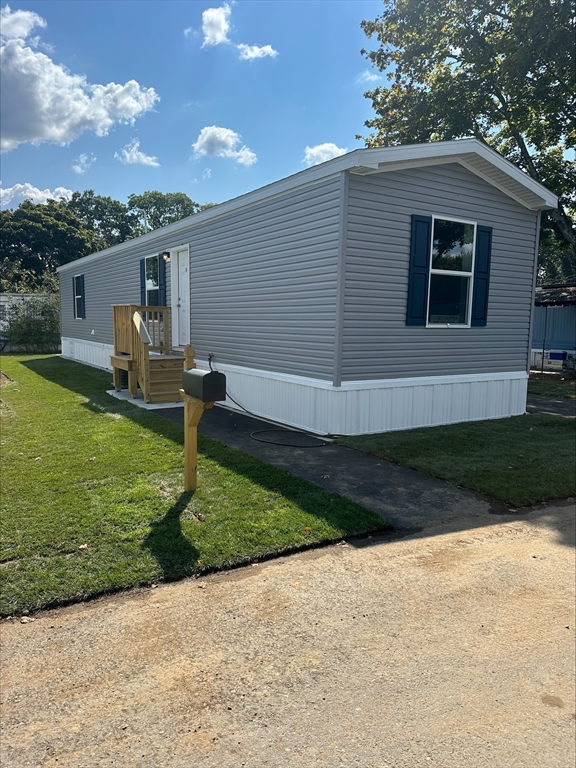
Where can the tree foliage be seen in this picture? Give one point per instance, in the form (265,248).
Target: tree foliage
(157,209)
(14,278)
(109,219)
(503,72)
(37,238)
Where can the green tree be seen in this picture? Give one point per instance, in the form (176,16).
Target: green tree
(37,238)
(157,209)
(109,219)
(503,72)
(14,278)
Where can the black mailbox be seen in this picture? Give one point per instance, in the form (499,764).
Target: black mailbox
(207,386)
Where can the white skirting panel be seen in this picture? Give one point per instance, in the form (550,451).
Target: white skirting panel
(364,407)
(89,352)
(357,407)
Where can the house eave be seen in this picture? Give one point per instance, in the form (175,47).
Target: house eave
(470,153)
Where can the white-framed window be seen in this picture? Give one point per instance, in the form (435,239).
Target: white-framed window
(453,243)
(79,297)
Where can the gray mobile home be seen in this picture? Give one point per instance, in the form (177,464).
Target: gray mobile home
(384,289)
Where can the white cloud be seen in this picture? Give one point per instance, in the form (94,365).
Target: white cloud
(29,192)
(84,162)
(215,25)
(255,51)
(214,141)
(322,152)
(368,77)
(131,154)
(206,173)
(18,24)
(44,102)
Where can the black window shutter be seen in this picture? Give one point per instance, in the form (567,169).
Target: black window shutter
(143,282)
(82,309)
(161,281)
(419,270)
(481,276)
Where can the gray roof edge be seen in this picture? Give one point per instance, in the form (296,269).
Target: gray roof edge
(356,159)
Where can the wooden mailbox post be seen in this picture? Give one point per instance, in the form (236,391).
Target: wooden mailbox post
(193,410)
(211,387)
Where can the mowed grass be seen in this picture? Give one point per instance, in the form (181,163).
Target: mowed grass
(93,499)
(521,460)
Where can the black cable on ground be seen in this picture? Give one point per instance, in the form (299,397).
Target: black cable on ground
(320,443)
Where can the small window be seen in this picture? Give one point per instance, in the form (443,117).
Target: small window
(451,272)
(79,303)
(152,282)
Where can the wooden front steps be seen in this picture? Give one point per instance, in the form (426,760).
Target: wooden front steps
(141,347)
(165,378)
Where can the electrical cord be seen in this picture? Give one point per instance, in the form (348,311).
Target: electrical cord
(320,444)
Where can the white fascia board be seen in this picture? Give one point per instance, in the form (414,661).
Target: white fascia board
(360,159)
(443,151)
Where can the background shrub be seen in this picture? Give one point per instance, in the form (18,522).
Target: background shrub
(34,324)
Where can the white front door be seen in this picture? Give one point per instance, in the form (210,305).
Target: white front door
(180,285)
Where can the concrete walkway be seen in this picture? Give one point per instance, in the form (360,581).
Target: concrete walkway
(408,499)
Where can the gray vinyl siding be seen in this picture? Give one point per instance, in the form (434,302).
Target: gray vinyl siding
(377,343)
(265,283)
(111,280)
(262,283)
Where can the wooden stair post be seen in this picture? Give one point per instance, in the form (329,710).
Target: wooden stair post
(189,354)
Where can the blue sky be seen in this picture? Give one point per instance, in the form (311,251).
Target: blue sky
(209,98)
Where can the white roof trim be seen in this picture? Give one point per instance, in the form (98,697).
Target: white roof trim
(520,186)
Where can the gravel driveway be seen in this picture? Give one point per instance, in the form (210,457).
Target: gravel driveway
(444,648)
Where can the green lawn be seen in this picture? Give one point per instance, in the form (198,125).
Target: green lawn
(552,385)
(521,460)
(93,500)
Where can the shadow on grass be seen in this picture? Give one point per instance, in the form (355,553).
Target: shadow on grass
(339,512)
(168,544)
(74,376)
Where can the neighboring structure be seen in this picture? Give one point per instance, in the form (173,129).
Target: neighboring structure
(384,289)
(554,325)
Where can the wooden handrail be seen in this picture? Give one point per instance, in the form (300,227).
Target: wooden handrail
(141,328)
(156,320)
(141,354)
